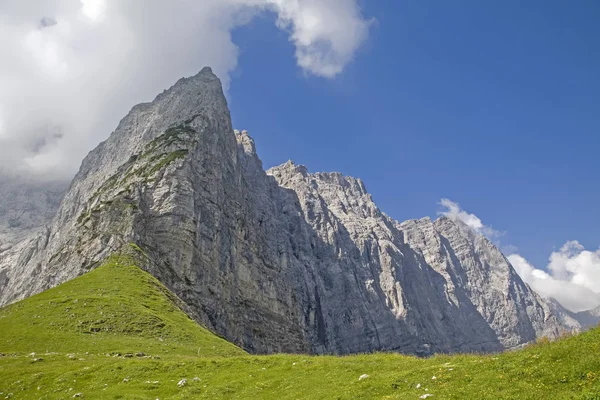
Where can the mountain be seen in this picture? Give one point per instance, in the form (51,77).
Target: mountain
(276,261)
(576,321)
(588,319)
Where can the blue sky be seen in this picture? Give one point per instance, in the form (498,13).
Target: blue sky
(495,105)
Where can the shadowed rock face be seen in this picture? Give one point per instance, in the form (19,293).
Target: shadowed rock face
(276,261)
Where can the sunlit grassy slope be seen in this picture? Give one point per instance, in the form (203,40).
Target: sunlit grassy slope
(117,333)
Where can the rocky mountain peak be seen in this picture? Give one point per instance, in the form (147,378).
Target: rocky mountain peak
(288,170)
(343,193)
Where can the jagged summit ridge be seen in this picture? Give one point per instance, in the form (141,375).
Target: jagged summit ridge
(465,277)
(283,260)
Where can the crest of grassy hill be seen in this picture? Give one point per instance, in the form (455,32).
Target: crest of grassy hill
(118,333)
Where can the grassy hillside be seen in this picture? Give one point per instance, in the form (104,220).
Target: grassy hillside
(117,333)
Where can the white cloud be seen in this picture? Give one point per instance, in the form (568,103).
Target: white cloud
(93,9)
(326,33)
(573,273)
(577,290)
(453,211)
(72,68)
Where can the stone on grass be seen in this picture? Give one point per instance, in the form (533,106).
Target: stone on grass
(363,376)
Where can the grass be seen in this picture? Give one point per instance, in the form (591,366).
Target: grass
(88,336)
(167,159)
(169,137)
(115,308)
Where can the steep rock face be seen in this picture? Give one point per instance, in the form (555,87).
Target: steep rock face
(420,286)
(477,272)
(188,97)
(277,261)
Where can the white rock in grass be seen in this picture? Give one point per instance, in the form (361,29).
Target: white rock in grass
(196,379)
(425,396)
(418,385)
(433,378)
(363,376)
(182,382)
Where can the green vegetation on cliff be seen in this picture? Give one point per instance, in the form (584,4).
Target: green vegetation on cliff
(117,333)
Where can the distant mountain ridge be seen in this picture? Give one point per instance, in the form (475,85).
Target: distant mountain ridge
(276,261)
(25,206)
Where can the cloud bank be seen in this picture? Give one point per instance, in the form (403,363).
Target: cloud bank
(572,275)
(71,68)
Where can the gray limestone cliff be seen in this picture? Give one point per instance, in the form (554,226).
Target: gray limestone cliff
(276,261)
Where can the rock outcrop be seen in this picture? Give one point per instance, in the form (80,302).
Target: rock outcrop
(276,261)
